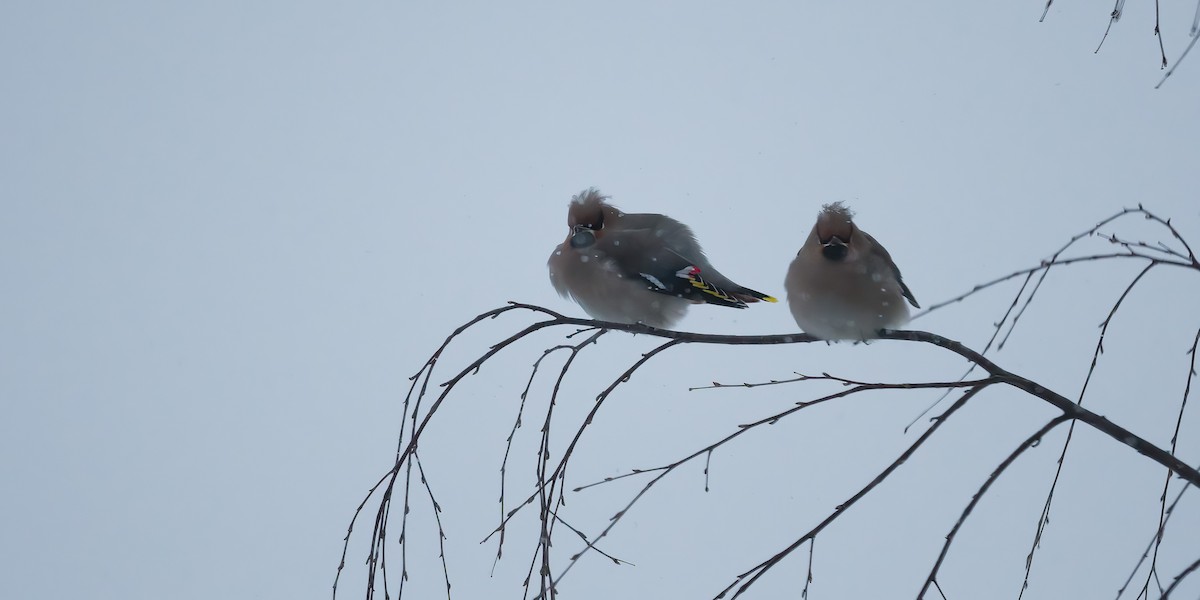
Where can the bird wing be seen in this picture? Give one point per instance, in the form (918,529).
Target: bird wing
(878,250)
(663,253)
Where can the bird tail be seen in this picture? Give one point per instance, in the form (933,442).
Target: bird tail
(748,295)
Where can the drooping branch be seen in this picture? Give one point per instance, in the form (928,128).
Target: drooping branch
(1154,540)
(665,470)
(748,578)
(1029,442)
(1162,513)
(1069,408)
(1180,577)
(1044,517)
(1001,375)
(550,487)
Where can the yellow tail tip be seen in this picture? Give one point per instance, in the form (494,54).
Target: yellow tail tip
(770,299)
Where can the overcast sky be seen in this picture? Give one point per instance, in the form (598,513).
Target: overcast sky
(231,231)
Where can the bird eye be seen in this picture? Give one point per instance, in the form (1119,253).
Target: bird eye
(583,238)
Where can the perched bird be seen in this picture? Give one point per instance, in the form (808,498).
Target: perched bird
(843,285)
(636,268)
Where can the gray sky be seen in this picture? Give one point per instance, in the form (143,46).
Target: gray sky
(232,230)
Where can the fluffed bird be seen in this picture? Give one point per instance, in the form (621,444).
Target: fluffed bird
(843,285)
(636,268)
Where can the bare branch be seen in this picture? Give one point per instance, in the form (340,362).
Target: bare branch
(551,484)
(546,494)
(748,578)
(1044,518)
(437,515)
(1180,577)
(1029,442)
(1179,60)
(1153,540)
(846,382)
(1056,400)
(1162,514)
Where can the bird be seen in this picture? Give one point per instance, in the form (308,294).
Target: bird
(636,268)
(843,284)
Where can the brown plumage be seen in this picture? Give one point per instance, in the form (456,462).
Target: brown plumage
(843,284)
(636,268)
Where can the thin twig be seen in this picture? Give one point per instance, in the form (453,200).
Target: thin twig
(584,537)
(1112,18)
(549,492)
(1162,514)
(546,494)
(437,515)
(808,578)
(1044,518)
(1132,250)
(1171,71)
(1071,409)
(845,382)
(1153,539)
(1029,442)
(560,470)
(509,442)
(770,420)
(1179,578)
(745,580)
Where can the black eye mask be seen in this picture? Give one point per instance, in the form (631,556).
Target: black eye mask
(834,248)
